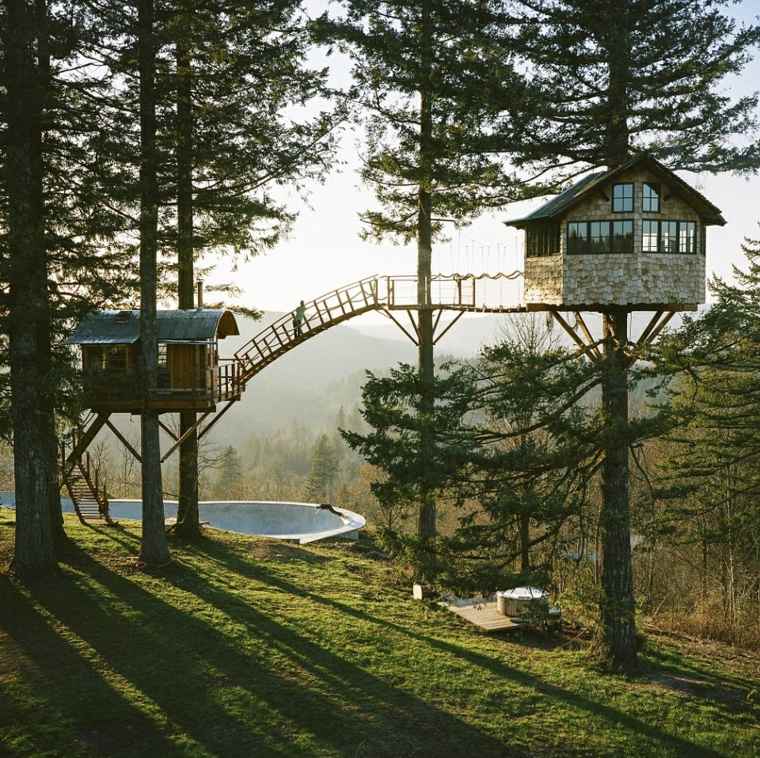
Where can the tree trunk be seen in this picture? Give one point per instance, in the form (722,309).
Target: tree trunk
(426,527)
(524,542)
(29,308)
(154,550)
(46,358)
(617,603)
(188,520)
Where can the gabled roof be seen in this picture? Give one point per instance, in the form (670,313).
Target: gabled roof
(573,194)
(123,327)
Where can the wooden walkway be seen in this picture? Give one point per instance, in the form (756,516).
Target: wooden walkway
(484,615)
(462,293)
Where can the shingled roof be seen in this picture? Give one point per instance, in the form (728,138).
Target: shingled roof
(573,194)
(123,327)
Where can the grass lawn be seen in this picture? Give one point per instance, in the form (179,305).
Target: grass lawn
(247,647)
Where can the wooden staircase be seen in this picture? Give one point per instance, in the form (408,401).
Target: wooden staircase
(88,495)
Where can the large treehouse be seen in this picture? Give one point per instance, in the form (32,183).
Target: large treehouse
(191,376)
(632,236)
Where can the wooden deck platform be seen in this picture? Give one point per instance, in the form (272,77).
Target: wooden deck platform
(483,614)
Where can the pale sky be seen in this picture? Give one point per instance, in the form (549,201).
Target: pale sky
(324,250)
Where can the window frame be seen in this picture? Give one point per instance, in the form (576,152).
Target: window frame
(698,245)
(543,240)
(657,195)
(632,185)
(610,237)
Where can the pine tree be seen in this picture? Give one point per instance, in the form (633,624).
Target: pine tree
(232,144)
(26,272)
(427,77)
(324,471)
(153,549)
(613,77)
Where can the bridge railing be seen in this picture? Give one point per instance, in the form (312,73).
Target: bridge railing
(454,291)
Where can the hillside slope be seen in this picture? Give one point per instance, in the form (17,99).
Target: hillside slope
(246,647)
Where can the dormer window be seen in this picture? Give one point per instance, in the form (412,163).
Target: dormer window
(650,198)
(622,198)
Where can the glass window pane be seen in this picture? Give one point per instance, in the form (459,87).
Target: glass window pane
(669,237)
(650,199)
(622,236)
(600,236)
(577,237)
(688,237)
(622,198)
(649,236)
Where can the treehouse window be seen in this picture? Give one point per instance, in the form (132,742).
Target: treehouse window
(542,240)
(650,236)
(650,198)
(163,355)
(599,232)
(622,198)
(622,236)
(577,238)
(687,237)
(669,237)
(115,358)
(585,237)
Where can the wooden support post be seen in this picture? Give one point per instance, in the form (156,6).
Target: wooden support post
(215,419)
(83,441)
(400,325)
(437,319)
(656,331)
(587,332)
(586,349)
(167,429)
(448,326)
(414,325)
(124,441)
(187,433)
(652,322)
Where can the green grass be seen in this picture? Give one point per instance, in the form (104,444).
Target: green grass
(244,647)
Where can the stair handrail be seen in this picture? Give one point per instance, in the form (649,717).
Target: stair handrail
(286,321)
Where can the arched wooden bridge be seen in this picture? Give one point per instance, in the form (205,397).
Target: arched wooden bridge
(390,295)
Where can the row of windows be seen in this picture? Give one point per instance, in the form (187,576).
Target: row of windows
(623,196)
(587,237)
(542,240)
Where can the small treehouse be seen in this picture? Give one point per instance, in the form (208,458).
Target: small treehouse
(191,376)
(631,237)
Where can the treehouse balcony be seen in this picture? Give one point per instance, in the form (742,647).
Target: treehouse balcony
(190,377)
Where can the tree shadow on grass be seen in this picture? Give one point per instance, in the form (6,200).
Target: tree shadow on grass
(107,721)
(245,694)
(231,561)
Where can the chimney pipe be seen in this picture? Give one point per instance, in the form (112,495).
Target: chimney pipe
(200,293)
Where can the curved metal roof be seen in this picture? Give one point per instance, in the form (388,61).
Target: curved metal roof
(123,327)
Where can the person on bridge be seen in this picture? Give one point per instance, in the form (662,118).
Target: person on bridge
(298,317)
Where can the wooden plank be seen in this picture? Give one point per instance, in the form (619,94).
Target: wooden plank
(484,616)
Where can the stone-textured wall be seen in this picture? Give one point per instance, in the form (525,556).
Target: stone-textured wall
(543,280)
(623,279)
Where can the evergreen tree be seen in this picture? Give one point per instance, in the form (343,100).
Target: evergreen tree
(427,76)
(324,471)
(153,549)
(612,77)
(27,299)
(238,68)
(229,483)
